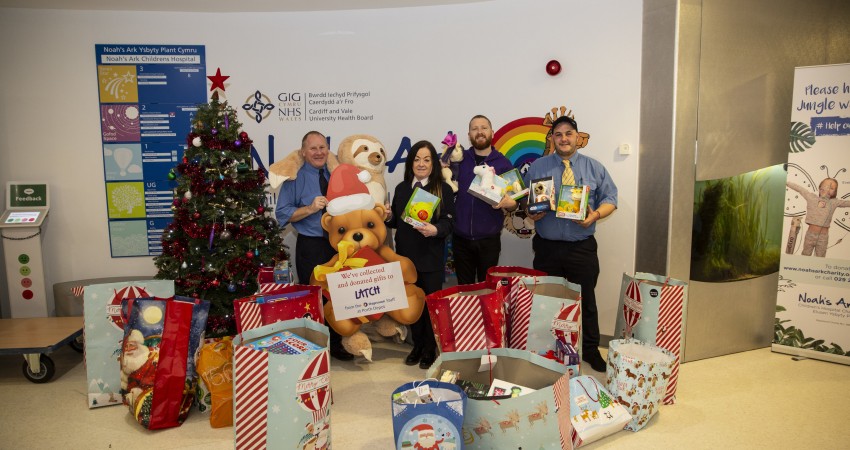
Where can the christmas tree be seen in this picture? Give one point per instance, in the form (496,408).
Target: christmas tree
(222,233)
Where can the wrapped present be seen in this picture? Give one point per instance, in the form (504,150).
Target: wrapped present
(104,334)
(652,310)
(468,317)
(433,418)
(637,377)
(282,400)
(158,374)
(593,412)
(538,419)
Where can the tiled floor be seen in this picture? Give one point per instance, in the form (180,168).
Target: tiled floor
(755,399)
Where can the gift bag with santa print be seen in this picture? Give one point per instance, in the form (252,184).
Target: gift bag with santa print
(468,317)
(652,309)
(593,411)
(428,415)
(637,378)
(281,391)
(104,334)
(509,276)
(280,302)
(161,342)
(535,415)
(546,319)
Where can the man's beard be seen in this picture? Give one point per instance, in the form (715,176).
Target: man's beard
(488,142)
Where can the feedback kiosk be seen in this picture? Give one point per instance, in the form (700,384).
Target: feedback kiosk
(21,226)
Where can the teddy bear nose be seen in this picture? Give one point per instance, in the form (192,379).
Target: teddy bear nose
(358,237)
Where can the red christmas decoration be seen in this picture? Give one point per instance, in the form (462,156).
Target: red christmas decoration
(553,67)
(217,80)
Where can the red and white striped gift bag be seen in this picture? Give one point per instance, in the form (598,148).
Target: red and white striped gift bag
(468,317)
(276,302)
(509,277)
(279,394)
(652,310)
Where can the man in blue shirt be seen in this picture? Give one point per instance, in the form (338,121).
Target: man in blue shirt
(567,248)
(302,202)
(476,241)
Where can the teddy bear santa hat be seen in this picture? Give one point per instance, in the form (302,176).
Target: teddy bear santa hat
(347,190)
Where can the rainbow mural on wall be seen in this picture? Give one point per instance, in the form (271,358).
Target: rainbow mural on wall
(522,141)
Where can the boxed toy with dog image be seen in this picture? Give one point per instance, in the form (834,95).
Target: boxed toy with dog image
(516,188)
(542,196)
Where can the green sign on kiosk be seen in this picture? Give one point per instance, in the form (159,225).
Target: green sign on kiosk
(27,196)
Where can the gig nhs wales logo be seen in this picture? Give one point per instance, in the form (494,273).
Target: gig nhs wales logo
(288,107)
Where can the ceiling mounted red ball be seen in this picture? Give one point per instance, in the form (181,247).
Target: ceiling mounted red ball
(553,67)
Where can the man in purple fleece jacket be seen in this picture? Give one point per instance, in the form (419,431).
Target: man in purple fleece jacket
(478,226)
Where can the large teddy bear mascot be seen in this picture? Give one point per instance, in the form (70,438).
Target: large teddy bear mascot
(353,221)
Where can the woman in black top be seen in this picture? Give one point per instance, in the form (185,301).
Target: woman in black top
(424,245)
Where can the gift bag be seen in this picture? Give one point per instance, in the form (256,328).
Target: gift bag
(284,302)
(536,419)
(433,417)
(593,412)
(158,375)
(215,367)
(509,277)
(104,333)
(468,317)
(282,397)
(637,378)
(652,310)
(546,319)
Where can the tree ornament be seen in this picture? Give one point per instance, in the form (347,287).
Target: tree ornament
(241,167)
(243,135)
(214,132)
(184,265)
(231,287)
(225,235)
(171,175)
(188,195)
(197,142)
(211,190)
(185,160)
(249,254)
(196,215)
(237,143)
(215,282)
(553,67)
(260,209)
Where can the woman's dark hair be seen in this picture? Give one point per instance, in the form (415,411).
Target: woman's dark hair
(435,179)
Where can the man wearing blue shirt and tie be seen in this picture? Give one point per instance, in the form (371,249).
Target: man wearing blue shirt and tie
(302,202)
(567,248)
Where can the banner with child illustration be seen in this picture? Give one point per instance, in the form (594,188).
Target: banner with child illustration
(813,305)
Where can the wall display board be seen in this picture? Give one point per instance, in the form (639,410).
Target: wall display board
(813,299)
(148,96)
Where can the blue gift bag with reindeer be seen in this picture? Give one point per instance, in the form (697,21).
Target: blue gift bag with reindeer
(428,414)
(535,416)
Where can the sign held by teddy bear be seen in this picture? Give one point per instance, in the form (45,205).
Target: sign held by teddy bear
(366,291)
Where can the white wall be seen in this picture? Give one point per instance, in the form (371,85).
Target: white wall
(428,70)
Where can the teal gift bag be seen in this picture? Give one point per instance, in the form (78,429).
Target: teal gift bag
(539,418)
(281,397)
